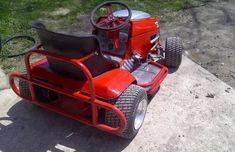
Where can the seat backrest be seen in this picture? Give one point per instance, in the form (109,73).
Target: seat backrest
(107,44)
(66,45)
(69,46)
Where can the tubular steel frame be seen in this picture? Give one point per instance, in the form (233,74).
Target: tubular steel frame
(95,103)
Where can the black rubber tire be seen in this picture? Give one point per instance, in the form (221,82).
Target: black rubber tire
(173,52)
(127,103)
(24,89)
(40,92)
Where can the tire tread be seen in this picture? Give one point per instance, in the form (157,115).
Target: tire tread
(127,104)
(173,52)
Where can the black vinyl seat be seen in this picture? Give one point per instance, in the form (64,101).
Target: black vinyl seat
(73,47)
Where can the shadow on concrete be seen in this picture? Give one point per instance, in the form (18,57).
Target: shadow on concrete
(150,97)
(172,70)
(31,128)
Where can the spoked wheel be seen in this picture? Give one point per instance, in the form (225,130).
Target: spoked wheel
(173,52)
(102,16)
(133,103)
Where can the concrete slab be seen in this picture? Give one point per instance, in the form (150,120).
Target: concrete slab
(3,80)
(208,34)
(180,118)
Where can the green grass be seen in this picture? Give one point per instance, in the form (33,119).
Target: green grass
(16,16)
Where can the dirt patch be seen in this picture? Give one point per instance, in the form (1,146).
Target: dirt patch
(60,12)
(83,26)
(208,33)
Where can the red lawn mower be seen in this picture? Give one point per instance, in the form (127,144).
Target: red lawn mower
(103,79)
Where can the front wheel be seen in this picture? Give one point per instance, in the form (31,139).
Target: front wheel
(133,103)
(173,52)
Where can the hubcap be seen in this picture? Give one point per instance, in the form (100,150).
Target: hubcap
(140,113)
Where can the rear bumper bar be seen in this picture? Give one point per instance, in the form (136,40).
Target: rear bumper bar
(91,99)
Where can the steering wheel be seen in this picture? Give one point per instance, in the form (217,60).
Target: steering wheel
(109,22)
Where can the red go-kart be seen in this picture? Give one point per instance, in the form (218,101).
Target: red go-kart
(103,79)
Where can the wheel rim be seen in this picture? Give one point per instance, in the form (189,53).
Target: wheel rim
(140,113)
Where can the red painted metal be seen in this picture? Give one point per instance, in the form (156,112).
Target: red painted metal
(139,41)
(143,26)
(114,35)
(110,85)
(105,85)
(94,92)
(91,99)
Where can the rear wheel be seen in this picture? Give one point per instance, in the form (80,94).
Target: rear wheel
(133,103)
(44,95)
(24,89)
(173,52)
